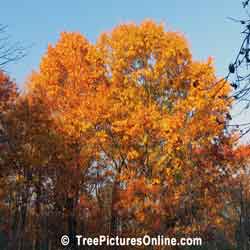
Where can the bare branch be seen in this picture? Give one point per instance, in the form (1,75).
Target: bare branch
(9,52)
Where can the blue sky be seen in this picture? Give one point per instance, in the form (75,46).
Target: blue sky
(203,22)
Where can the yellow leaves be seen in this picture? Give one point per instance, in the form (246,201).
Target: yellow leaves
(102,136)
(145,139)
(156,181)
(119,126)
(167,172)
(132,155)
(166,125)
(162,160)
(19,178)
(85,126)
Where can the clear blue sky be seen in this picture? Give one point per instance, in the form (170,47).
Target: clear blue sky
(203,22)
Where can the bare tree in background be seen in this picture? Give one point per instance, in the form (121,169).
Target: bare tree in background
(239,70)
(9,51)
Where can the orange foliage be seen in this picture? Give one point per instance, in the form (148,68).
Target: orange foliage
(139,105)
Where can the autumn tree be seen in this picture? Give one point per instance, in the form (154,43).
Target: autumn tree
(69,75)
(237,207)
(139,119)
(8,95)
(163,109)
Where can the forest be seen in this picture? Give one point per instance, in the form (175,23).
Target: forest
(127,136)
